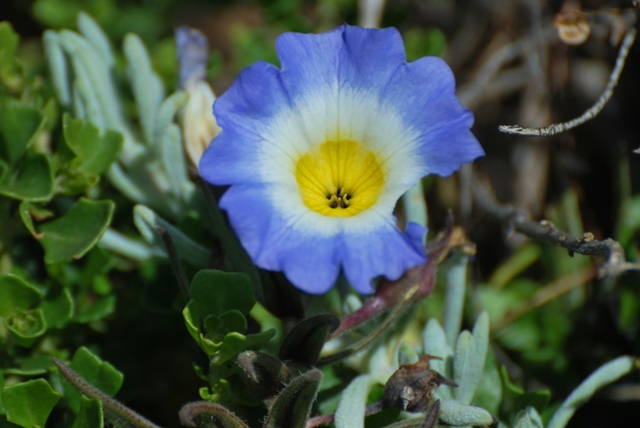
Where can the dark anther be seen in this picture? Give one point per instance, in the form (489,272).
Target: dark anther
(343,203)
(334,204)
(410,387)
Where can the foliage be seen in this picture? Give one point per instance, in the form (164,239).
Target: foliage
(117,266)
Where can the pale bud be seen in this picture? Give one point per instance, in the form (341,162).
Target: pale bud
(199,125)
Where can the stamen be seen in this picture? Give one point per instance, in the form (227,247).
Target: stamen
(339,198)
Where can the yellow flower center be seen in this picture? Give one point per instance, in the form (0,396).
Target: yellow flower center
(341,179)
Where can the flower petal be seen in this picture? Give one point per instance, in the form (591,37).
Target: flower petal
(385,252)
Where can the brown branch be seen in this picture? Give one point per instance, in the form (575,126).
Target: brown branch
(544,230)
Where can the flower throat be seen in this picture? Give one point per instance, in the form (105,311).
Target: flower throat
(340,179)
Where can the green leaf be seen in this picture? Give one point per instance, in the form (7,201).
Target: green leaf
(3,411)
(57,305)
(19,125)
(537,399)
(32,366)
(90,414)
(89,309)
(30,179)
(28,404)
(305,341)
(234,343)
(29,212)
(233,321)
(16,294)
(26,326)
(102,375)
(292,407)
(71,236)
(95,148)
(9,40)
(216,292)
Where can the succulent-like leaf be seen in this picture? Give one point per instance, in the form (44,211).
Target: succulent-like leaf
(454,300)
(292,407)
(353,403)
(457,414)
(407,354)
(528,418)
(606,374)
(305,341)
(435,343)
(96,37)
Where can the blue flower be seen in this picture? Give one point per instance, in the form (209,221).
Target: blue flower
(318,152)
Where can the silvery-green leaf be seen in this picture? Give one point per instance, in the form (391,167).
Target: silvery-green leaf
(610,372)
(489,392)
(167,111)
(188,250)
(145,83)
(58,66)
(125,185)
(89,98)
(125,246)
(95,73)
(407,354)
(456,414)
(351,409)
(172,158)
(435,343)
(454,300)
(415,206)
(96,37)
(528,418)
(481,336)
(465,368)
(79,110)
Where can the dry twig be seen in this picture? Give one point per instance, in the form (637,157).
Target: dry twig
(557,128)
(544,230)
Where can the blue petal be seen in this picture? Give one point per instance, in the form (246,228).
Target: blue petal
(351,56)
(424,94)
(193,52)
(310,262)
(385,252)
(243,112)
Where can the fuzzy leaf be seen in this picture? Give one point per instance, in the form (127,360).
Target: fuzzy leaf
(305,341)
(465,368)
(292,407)
(204,414)
(456,288)
(606,374)
(528,418)
(96,37)
(57,66)
(28,404)
(456,414)
(353,403)
(74,234)
(435,343)
(266,374)
(407,354)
